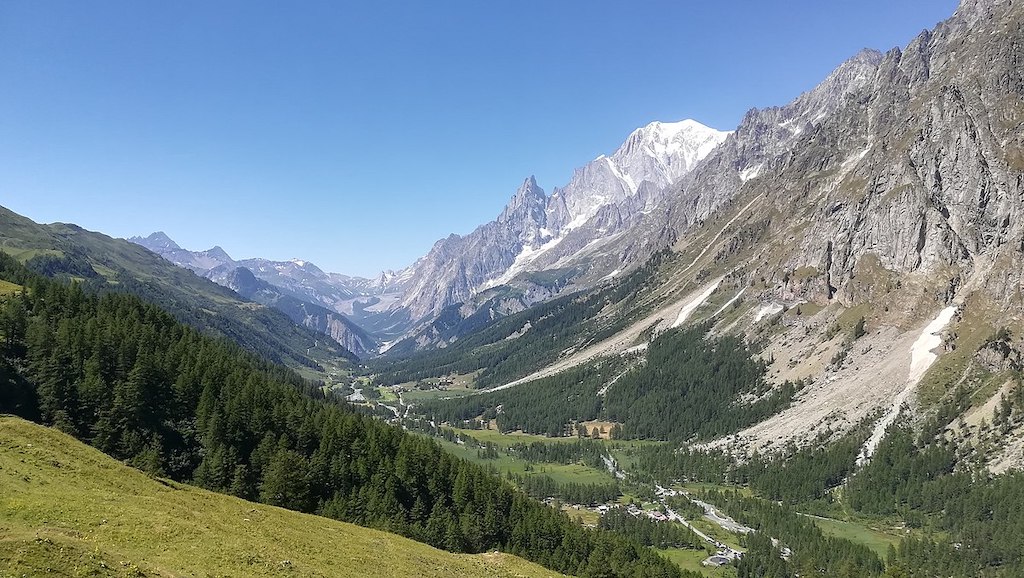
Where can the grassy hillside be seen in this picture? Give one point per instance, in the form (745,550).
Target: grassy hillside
(69,510)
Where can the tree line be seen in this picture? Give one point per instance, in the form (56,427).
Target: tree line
(688,386)
(546,406)
(650,532)
(544,486)
(692,385)
(129,379)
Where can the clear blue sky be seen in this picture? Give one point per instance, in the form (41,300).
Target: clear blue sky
(356,134)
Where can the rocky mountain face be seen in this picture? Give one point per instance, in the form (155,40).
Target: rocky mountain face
(893,192)
(911,159)
(315,317)
(618,211)
(300,289)
(868,237)
(540,233)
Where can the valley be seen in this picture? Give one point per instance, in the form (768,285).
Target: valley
(794,348)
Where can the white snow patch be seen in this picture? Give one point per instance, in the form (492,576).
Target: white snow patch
(577,222)
(611,275)
(921,358)
(767,311)
(526,256)
(751,172)
(628,180)
(696,302)
(853,160)
(729,302)
(686,138)
(788,125)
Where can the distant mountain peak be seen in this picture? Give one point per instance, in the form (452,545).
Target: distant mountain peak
(218,253)
(157,240)
(869,55)
(527,203)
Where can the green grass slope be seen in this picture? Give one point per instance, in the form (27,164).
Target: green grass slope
(67,509)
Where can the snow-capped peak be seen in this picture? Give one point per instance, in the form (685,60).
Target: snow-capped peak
(659,153)
(687,141)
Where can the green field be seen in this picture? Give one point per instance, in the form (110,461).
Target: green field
(68,510)
(691,560)
(23,255)
(387,395)
(414,395)
(859,533)
(8,288)
(561,473)
(508,439)
(582,516)
(624,451)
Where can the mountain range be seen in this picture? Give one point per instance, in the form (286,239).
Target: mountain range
(307,295)
(103,263)
(887,197)
(563,235)
(824,306)
(867,237)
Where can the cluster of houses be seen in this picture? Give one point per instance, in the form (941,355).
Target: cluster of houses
(723,555)
(441,384)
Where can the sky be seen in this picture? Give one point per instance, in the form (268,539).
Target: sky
(356,134)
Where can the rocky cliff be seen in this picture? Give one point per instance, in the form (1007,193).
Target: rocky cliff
(565,230)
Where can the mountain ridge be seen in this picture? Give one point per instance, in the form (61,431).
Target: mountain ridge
(296,287)
(68,251)
(534,232)
(877,212)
